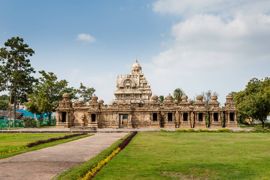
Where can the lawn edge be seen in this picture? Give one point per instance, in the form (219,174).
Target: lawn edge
(44,145)
(39,142)
(82,170)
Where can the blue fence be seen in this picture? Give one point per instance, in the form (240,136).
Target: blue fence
(5,124)
(28,120)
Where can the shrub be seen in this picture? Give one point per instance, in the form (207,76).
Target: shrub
(94,170)
(36,143)
(224,130)
(30,123)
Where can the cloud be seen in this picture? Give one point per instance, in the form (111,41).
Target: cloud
(217,44)
(221,7)
(86,38)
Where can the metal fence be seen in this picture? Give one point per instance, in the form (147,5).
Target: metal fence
(26,123)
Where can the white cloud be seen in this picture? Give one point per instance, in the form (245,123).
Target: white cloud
(221,7)
(86,38)
(217,44)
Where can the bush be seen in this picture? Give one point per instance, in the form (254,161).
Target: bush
(30,123)
(53,139)
(224,130)
(203,130)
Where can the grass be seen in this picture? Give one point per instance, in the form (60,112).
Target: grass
(78,172)
(16,143)
(178,155)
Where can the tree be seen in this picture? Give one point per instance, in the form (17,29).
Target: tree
(254,100)
(177,94)
(47,93)
(161,98)
(16,71)
(85,92)
(4,102)
(71,91)
(2,78)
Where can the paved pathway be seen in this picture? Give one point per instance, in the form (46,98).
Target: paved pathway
(44,164)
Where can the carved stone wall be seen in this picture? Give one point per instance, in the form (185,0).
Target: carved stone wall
(135,107)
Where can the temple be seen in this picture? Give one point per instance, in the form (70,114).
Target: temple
(135,107)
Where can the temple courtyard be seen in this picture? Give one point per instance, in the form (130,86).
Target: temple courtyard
(46,163)
(178,155)
(150,155)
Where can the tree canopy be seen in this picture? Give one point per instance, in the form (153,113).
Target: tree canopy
(177,94)
(254,101)
(4,100)
(17,77)
(15,70)
(46,94)
(48,91)
(161,98)
(85,93)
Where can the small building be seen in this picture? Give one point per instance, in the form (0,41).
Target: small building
(135,107)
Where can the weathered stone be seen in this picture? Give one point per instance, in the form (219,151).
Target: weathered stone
(135,107)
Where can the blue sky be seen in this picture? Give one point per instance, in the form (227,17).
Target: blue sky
(195,45)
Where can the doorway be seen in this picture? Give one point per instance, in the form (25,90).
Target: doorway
(93,117)
(123,120)
(64,116)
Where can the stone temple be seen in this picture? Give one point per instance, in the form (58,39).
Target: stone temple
(135,107)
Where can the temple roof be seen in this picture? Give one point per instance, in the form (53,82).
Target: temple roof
(133,86)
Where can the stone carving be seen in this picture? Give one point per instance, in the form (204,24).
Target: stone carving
(132,88)
(134,101)
(65,103)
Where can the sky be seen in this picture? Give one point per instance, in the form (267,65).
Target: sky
(195,45)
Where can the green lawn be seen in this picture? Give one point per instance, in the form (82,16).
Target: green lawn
(15,143)
(177,155)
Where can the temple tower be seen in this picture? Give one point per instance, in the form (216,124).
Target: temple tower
(133,87)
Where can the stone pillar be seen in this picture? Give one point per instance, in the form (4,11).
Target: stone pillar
(192,117)
(177,119)
(198,123)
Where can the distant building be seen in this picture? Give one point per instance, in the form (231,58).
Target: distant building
(135,107)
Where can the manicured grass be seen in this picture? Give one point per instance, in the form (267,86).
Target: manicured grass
(178,155)
(15,143)
(78,172)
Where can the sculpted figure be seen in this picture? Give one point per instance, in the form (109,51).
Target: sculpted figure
(83,119)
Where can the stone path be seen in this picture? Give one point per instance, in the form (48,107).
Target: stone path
(44,164)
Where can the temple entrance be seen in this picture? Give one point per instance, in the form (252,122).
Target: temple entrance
(64,116)
(216,117)
(123,120)
(231,116)
(93,117)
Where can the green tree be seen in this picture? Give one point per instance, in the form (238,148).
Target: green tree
(161,98)
(71,91)
(4,99)
(254,100)
(2,78)
(177,94)
(16,70)
(85,92)
(47,93)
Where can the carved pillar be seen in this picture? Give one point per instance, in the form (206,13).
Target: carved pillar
(192,119)
(177,119)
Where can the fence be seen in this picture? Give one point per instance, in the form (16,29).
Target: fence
(26,123)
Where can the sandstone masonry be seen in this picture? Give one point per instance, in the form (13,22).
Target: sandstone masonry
(135,107)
